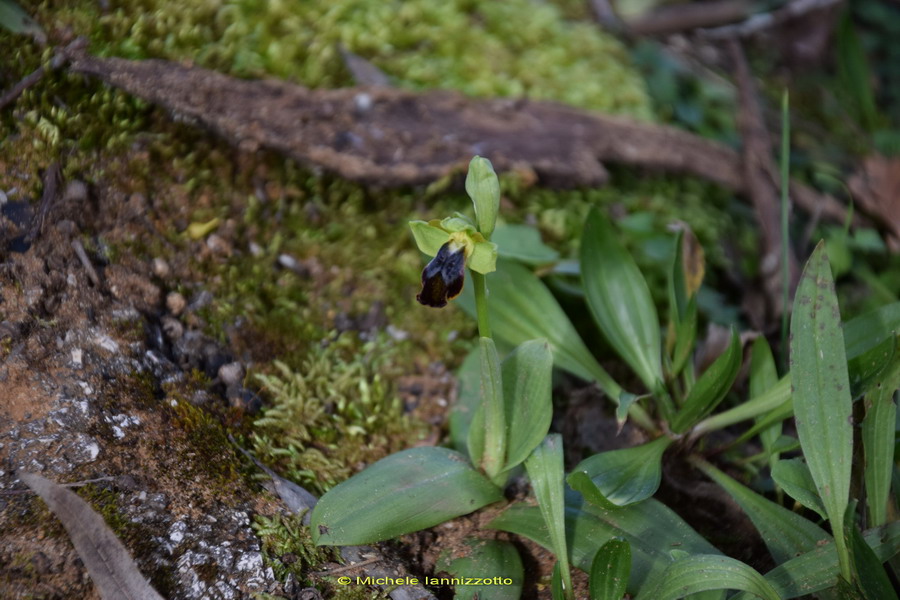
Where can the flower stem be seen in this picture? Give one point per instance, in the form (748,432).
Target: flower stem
(481,308)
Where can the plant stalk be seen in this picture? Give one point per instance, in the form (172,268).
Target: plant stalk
(481,307)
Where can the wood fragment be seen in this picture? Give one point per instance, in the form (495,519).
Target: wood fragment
(391,137)
(52,180)
(666,20)
(85,262)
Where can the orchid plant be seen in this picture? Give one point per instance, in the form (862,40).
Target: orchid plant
(423,487)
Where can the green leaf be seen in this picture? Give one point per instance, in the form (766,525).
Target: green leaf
(484,190)
(785,533)
(557,587)
(16,20)
(468,399)
(869,573)
(878,436)
(821,391)
(527,394)
(404,492)
(763,377)
(865,370)
(677,284)
(610,570)
(649,527)
(485,559)
(818,570)
(685,338)
(483,258)
(776,401)
(523,243)
(711,388)
(793,476)
(429,238)
(620,300)
(545,469)
(494,411)
(521,308)
(704,572)
(620,477)
(867,331)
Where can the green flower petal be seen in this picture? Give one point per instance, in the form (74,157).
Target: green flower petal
(484,190)
(458,223)
(429,237)
(484,258)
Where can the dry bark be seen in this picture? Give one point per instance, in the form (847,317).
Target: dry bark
(392,137)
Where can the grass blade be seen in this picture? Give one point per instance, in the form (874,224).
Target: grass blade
(620,477)
(699,573)
(878,433)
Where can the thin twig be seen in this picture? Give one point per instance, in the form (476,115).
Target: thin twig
(346,568)
(763,21)
(52,180)
(59,59)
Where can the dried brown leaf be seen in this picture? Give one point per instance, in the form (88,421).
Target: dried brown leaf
(110,565)
(877,189)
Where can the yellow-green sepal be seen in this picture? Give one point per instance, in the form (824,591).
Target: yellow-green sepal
(429,236)
(484,190)
(484,257)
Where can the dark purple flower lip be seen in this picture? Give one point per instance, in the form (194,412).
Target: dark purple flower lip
(443,277)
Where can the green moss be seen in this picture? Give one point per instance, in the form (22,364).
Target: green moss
(288,547)
(211,455)
(333,414)
(511,48)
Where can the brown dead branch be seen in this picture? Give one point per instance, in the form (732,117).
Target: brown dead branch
(763,21)
(392,137)
(758,172)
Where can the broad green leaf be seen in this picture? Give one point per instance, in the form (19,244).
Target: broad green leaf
(869,574)
(650,528)
(818,570)
(878,436)
(404,492)
(620,477)
(546,471)
(486,559)
(16,20)
(711,388)
(702,572)
(610,570)
(527,395)
(620,300)
(523,243)
(821,390)
(468,399)
(493,409)
(785,533)
(484,190)
(763,377)
(521,308)
(793,476)
(867,331)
